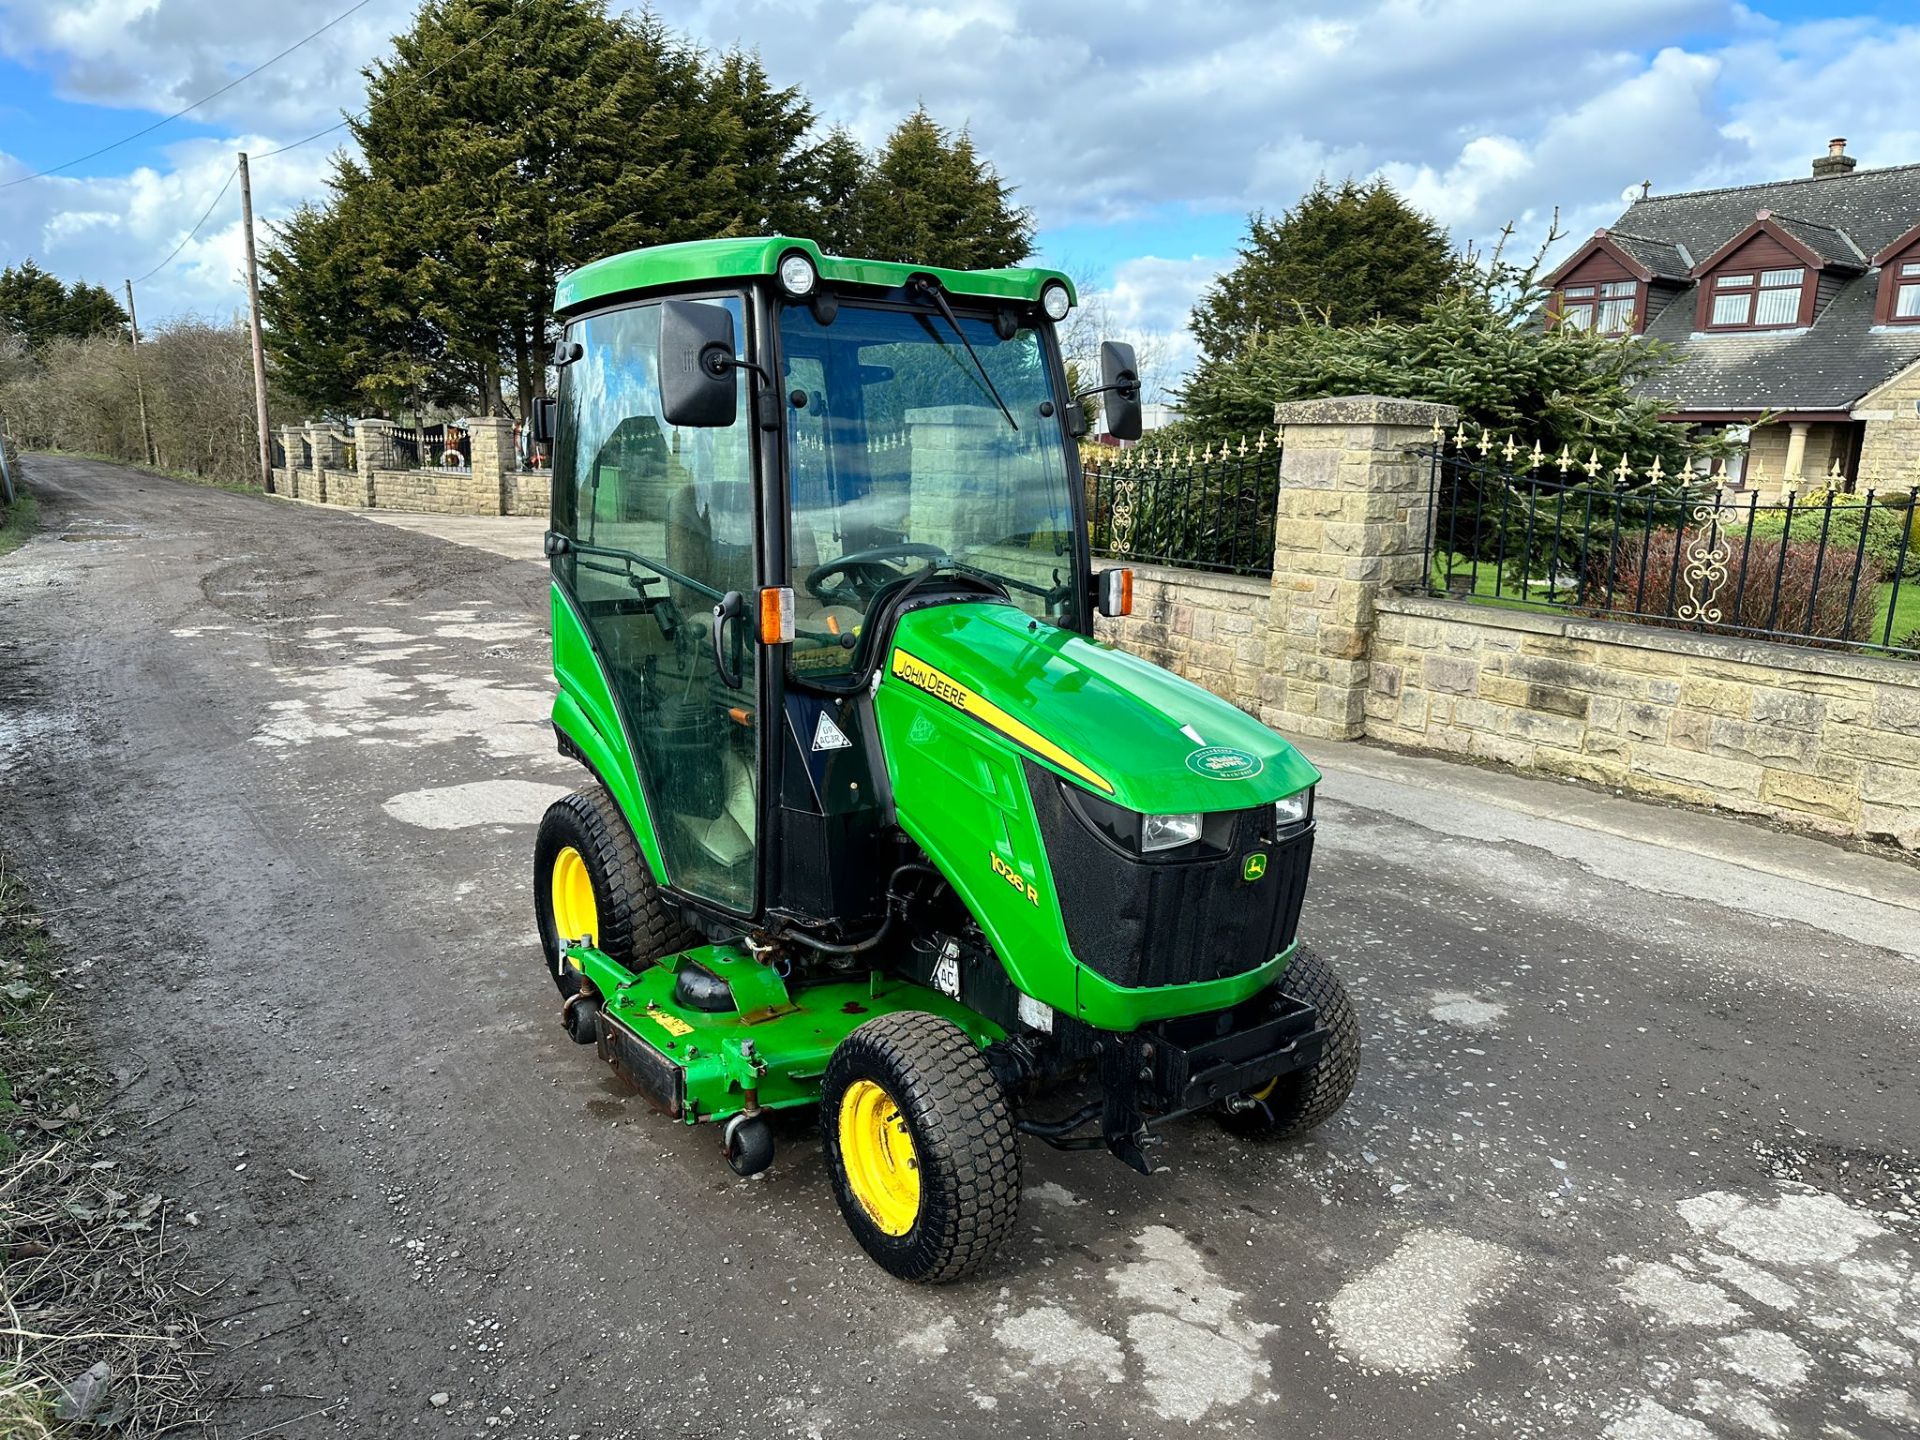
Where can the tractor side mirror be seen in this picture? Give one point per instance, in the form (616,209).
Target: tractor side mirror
(1113,592)
(697,387)
(541,422)
(1120,380)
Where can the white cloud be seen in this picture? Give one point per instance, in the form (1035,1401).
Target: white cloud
(1484,111)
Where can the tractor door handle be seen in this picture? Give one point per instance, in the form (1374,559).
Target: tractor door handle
(732,605)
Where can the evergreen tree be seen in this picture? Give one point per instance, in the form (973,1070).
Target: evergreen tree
(1342,256)
(506,142)
(37,307)
(841,171)
(929,198)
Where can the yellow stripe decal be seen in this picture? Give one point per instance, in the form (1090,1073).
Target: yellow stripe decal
(942,686)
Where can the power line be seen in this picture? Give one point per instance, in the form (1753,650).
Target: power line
(127,139)
(424,75)
(191,233)
(358,114)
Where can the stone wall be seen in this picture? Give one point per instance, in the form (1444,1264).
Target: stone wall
(529,492)
(439,492)
(1890,449)
(343,487)
(1814,737)
(1210,629)
(1340,645)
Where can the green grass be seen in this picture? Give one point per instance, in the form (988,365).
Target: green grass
(1906,617)
(18,521)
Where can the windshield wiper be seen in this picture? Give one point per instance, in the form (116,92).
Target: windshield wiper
(927,286)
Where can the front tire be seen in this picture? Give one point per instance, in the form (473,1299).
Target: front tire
(1294,1104)
(920,1147)
(591,882)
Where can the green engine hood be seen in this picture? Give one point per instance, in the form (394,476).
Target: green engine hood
(1116,724)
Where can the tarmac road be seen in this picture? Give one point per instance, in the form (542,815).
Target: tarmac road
(1631,1154)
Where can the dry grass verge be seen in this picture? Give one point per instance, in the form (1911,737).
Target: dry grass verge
(95,1333)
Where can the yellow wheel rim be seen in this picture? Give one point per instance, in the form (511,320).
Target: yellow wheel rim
(574,914)
(878,1156)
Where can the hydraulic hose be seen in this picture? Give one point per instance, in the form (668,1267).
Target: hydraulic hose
(857,947)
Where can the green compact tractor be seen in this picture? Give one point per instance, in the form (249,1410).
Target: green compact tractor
(876,824)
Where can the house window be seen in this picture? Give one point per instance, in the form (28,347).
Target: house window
(1906,292)
(1606,308)
(1739,303)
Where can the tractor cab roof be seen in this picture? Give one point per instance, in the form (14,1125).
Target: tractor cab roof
(694,261)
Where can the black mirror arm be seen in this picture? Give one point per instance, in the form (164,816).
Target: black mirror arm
(766,404)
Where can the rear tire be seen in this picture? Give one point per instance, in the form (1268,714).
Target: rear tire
(920,1147)
(1294,1104)
(588,872)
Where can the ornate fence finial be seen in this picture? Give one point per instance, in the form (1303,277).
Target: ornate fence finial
(1485,447)
(1592,467)
(1508,451)
(1655,473)
(1537,458)
(1439,432)
(1243,447)
(1460,434)
(1564,459)
(1623,472)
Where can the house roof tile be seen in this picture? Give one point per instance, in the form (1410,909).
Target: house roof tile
(1828,365)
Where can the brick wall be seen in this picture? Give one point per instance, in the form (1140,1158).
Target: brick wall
(1210,629)
(1815,737)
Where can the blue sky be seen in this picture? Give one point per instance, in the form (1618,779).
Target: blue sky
(1141,138)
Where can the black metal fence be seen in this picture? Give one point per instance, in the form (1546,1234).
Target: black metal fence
(1826,569)
(1204,510)
(438,447)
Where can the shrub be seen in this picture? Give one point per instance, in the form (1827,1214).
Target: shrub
(1891,536)
(1767,586)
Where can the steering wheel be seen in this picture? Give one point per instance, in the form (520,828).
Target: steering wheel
(866,562)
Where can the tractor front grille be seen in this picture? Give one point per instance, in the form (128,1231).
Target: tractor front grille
(1145,923)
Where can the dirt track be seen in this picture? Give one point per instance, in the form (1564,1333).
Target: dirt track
(1618,1163)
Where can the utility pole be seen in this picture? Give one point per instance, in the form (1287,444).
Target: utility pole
(253,308)
(139,383)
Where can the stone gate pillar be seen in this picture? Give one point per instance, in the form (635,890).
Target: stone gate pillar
(492,458)
(1353,520)
(372,450)
(293,446)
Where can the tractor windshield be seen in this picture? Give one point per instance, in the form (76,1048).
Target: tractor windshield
(902,458)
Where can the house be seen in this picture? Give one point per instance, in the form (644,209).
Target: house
(1797,300)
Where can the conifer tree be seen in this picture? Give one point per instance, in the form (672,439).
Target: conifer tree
(1342,256)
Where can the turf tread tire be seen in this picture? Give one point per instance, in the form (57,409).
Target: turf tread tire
(1308,1098)
(638,924)
(963,1137)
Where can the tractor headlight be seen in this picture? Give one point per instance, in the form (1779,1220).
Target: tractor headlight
(1292,811)
(1055,301)
(1166,832)
(797,275)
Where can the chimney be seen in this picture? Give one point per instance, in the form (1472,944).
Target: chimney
(1835,162)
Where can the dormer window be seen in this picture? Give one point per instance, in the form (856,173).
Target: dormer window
(1898,302)
(1606,308)
(1906,292)
(1741,304)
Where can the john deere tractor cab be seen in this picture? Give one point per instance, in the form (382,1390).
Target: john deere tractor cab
(875,824)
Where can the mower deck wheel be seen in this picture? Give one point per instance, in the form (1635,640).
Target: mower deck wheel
(1294,1104)
(920,1146)
(590,882)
